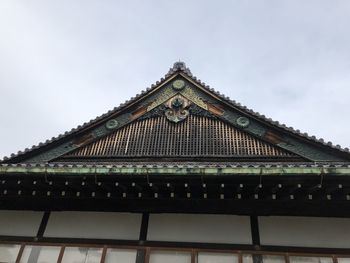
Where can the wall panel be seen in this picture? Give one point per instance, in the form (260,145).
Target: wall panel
(305,231)
(19,223)
(94,225)
(199,228)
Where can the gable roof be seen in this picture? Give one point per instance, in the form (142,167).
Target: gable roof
(286,140)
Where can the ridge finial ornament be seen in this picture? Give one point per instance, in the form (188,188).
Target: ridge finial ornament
(180,66)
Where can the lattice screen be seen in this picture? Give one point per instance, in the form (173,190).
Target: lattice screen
(196,136)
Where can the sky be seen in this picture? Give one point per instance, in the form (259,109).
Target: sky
(65,62)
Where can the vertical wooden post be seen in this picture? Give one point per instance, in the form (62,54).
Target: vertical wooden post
(60,256)
(286,257)
(240,257)
(104,252)
(193,256)
(43,224)
(20,252)
(148,254)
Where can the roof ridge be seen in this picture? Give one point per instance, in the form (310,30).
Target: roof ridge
(176,68)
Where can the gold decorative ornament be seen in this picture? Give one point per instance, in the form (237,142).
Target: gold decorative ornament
(178,84)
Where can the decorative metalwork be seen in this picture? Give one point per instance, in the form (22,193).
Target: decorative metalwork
(243,122)
(112,124)
(188,93)
(178,84)
(161,98)
(253,127)
(53,153)
(177,111)
(156,112)
(306,151)
(198,111)
(100,131)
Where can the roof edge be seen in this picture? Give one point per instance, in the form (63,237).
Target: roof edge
(178,67)
(210,170)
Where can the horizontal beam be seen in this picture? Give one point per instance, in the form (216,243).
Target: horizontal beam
(234,248)
(311,207)
(174,170)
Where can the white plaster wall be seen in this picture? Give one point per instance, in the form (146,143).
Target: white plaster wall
(199,228)
(305,231)
(19,223)
(94,225)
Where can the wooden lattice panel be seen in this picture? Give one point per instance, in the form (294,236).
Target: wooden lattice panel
(195,136)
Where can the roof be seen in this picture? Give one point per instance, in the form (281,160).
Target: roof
(180,147)
(180,117)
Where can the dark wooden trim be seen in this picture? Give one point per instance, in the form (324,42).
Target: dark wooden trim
(148,255)
(240,257)
(140,256)
(104,252)
(286,258)
(20,252)
(194,255)
(144,226)
(299,205)
(254,226)
(43,224)
(185,246)
(60,256)
(257,258)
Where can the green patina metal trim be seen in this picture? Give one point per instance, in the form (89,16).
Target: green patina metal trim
(191,95)
(69,146)
(266,171)
(162,97)
(112,124)
(306,151)
(254,127)
(53,153)
(243,122)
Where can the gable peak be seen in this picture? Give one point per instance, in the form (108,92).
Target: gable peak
(180,66)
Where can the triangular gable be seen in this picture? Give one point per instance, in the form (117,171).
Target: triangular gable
(179,85)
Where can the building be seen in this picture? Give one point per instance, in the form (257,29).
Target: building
(181,174)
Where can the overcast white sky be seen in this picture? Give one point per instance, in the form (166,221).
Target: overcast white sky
(63,63)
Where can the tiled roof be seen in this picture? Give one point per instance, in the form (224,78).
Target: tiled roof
(181,165)
(179,67)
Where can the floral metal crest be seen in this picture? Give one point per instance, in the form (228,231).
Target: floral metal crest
(177,109)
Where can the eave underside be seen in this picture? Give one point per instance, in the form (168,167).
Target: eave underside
(250,193)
